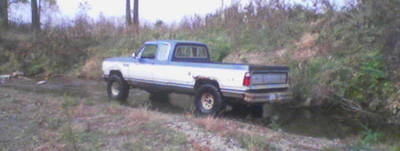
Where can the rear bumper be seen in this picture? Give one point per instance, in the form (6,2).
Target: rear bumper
(263,97)
(268,97)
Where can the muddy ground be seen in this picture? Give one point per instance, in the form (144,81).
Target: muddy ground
(75,114)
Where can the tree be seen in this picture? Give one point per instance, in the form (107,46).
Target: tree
(4,5)
(35,16)
(36,9)
(128,12)
(136,12)
(4,13)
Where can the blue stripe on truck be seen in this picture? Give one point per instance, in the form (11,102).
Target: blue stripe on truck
(160,82)
(181,85)
(232,90)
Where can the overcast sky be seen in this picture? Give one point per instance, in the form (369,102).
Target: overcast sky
(168,11)
(150,10)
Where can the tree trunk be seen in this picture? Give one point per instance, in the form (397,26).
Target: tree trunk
(4,13)
(35,16)
(136,12)
(128,12)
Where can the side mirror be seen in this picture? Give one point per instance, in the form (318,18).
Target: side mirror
(133,55)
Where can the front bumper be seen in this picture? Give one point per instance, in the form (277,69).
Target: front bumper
(268,97)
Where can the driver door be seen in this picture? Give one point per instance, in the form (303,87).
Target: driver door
(142,69)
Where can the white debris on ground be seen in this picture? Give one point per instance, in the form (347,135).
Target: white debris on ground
(5,77)
(41,82)
(17,74)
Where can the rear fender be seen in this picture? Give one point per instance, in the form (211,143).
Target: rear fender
(200,80)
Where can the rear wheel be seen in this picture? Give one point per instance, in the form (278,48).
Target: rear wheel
(208,100)
(117,88)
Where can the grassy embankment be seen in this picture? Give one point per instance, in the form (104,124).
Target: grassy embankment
(348,56)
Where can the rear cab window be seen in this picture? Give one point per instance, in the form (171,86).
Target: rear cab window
(191,53)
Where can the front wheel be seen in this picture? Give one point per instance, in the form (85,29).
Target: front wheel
(208,100)
(117,88)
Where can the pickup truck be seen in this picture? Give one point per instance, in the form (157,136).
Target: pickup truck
(167,66)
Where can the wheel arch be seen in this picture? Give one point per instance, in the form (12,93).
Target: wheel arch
(115,72)
(203,80)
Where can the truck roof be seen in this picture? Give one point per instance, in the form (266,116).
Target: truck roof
(173,42)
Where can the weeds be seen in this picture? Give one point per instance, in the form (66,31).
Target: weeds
(370,137)
(252,142)
(128,145)
(358,147)
(55,123)
(67,132)
(215,124)
(142,114)
(90,102)
(190,112)
(367,139)
(151,135)
(229,129)
(274,123)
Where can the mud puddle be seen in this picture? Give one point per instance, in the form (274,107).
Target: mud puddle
(331,123)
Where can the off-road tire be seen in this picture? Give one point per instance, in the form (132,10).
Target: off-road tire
(117,88)
(208,100)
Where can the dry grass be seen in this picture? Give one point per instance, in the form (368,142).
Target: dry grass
(260,57)
(91,69)
(305,48)
(248,138)
(197,147)
(142,114)
(307,41)
(216,124)
(52,124)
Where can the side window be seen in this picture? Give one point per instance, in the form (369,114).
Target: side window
(163,52)
(149,51)
(191,52)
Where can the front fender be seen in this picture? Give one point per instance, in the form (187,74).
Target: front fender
(109,66)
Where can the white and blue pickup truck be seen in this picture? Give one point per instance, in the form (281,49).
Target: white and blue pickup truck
(167,66)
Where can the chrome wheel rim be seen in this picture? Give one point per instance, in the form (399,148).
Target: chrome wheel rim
(115,88)
(207,101)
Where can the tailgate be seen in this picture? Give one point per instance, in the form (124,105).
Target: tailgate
(269,76)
